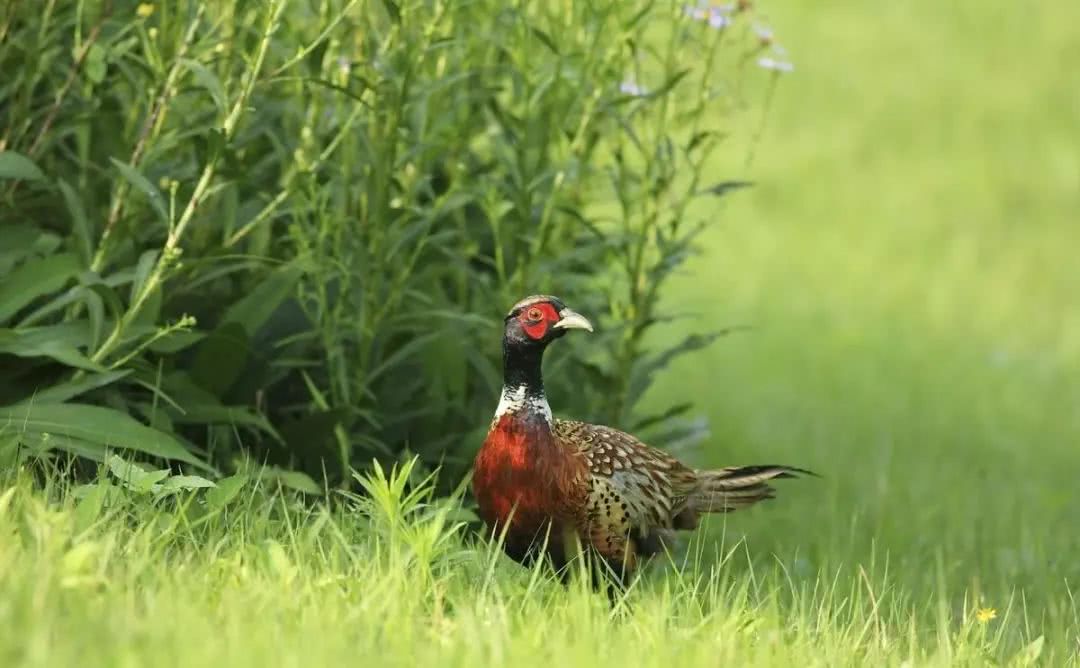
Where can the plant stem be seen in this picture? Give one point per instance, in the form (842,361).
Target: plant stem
(170,250)
(157,112)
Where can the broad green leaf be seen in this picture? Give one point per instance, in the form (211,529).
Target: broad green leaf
(135,477)
(314,429)
(393,10)
(70,389)
(220,358)
(483,367)
(109,297)
(91,288)
(17,166)
(141,183)
(20,241)
(154,415)
(41,443)
(670,83)
(95,313)
(142,270)
(150,314)
(179,483)
(96,63)
(92,500)
(180,386)
(31,343)
(176,340)
(218,413)
(545,39)
(459,513)
(124,469)
(209,146)
(95,424)
(1030,653)
(254,309)
(296,480)
(208,80)
(72,334)
(662,417)
(412,347)
(34,278)
(299,481)
(226,490)
(80,226)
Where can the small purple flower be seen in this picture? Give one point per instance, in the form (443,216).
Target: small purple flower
(631,88)
(719,18)
(775,65)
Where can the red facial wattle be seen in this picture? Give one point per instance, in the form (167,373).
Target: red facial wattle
(536,319)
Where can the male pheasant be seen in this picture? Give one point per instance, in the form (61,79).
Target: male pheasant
(550,485)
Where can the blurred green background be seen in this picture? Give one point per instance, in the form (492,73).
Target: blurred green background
(908,262)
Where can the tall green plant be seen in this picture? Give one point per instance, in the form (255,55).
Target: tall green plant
(291,230)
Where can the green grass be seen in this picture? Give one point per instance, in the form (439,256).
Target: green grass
(392,578)
(908,263)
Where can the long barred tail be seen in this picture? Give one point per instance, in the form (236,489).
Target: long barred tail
(734,487)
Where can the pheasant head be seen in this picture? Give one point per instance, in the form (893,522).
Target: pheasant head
(532,324)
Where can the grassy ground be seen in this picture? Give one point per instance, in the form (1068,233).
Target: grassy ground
(908,262)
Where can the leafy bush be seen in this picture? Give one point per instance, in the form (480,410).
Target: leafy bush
(290,230)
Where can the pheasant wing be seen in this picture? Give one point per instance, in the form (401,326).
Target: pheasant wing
(634,489)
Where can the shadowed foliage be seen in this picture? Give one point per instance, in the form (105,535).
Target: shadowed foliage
(289,231)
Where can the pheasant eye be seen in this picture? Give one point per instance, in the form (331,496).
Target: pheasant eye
(535,314)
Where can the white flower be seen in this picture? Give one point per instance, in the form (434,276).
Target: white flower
(775,65)
(764,34)
(696,13)
(717,17)
(631,88)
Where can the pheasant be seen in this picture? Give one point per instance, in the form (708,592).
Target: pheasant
(550,486)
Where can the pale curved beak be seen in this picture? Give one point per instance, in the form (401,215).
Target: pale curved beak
(572,320)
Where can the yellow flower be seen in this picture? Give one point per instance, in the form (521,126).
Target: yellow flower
(144,10)
(983,615)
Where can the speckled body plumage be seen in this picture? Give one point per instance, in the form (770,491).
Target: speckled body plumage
(548,486)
